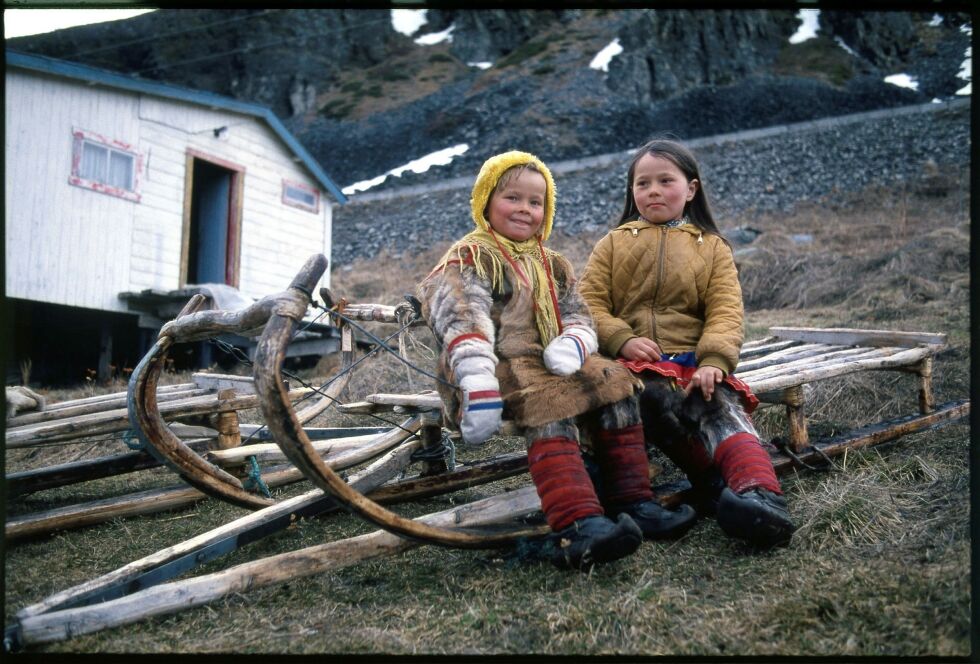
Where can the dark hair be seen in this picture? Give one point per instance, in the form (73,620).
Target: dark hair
(697,209)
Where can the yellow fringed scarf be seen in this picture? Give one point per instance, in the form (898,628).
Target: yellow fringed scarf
(525,263)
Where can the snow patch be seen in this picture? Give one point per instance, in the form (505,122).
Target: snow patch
(408,21)
(422,164)
(965,73)
(967,65)
(809,24)
(602,58)
(903,81)
(437,37)
(480,65)
(840,42)
(936,20)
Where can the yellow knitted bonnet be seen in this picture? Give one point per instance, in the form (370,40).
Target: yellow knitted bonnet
(490,174)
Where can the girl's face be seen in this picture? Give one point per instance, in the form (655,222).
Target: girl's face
(660,189)
(516,210)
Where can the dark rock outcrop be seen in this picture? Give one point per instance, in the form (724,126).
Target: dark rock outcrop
(366,99)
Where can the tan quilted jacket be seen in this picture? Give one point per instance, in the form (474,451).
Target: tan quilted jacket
(677,286)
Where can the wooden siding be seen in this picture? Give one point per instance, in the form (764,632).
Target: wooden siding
(276,239)
(74,246)
(64,244)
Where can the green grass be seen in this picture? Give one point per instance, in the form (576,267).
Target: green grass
(819,58)
(523,52)
(879,566)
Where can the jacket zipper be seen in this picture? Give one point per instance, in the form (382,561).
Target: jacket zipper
(660,278)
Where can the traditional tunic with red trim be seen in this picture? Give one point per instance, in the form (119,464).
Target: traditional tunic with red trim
(682,375)
(469,317)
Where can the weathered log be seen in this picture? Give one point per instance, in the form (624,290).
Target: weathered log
(422,401)
(64,474)
(767,348)
(781,369)
(226,423)
(806,376)
(216,382)
(755,343)
(812,352)
(180,595)
(360,408)
(267,452)
(799,437)
(855,337)
(164,389)
(117,420)
(66,412)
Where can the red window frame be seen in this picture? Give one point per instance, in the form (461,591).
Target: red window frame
(315,208)
(79,138)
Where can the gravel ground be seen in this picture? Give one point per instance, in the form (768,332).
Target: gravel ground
(767,174)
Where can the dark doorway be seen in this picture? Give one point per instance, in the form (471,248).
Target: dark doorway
(210,254)
(212,229)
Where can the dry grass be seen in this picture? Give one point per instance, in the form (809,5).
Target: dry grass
(879,567)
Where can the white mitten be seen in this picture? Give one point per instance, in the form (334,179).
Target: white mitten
(482,407)
(567,352)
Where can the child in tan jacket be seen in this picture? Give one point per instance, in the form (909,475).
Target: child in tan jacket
(664,292)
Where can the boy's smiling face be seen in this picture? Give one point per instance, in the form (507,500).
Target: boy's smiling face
(516,210)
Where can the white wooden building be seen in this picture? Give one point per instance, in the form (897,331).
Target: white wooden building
(116,184)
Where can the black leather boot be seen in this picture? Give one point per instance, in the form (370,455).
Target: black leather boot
(657,522)
(594,540)
(757,515)
(706,488)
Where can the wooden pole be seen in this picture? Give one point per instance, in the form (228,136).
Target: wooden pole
(116,420)
(900,359)
(927,402)
(64,474)
(431,435)
(795,418)
(67,409)
(226,423)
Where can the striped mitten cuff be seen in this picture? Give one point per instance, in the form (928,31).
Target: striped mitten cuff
(568,351)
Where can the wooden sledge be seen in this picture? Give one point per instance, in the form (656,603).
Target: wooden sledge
(777,368)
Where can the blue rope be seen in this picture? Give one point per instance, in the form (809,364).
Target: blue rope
(254,479)
(129,436)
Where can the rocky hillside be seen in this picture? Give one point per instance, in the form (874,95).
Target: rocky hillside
(760,172)
(365,98)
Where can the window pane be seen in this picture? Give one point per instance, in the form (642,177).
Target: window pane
(307,198)
(121,170)
(93,166)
